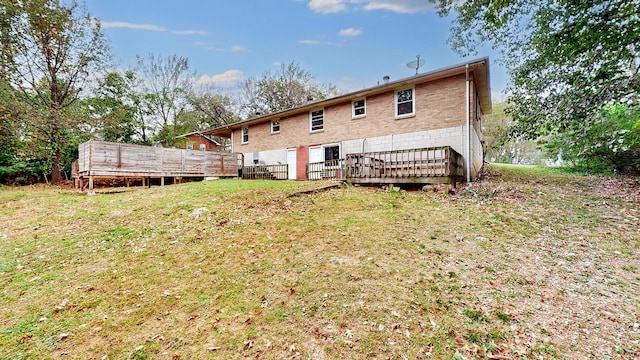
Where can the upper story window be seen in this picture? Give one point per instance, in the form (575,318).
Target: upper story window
(316,120)
(275,126)
(359,108)
(203,147)
(245,135)
(189,145)
(405,102)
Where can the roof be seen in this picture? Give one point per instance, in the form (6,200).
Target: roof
(200,133)
(480,68)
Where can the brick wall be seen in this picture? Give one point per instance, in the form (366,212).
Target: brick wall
(453,137)
(439,120)
(439,104)
(196,140)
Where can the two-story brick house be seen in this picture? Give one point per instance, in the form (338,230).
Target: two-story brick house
(438,108)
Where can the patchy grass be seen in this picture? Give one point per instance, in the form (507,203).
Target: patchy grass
(531,263)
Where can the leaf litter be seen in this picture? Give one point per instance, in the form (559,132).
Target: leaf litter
(525,266)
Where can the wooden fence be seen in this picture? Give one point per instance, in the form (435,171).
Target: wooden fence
(108,159)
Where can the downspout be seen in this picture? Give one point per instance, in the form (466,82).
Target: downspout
(468,137)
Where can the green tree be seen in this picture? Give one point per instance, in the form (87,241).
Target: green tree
(116,110)
(166,83)
(290,87)
(55,46)
(609,142)
(502,148)
(568,59)
(208,110)
(10,144)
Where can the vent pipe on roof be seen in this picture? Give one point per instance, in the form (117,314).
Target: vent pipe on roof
(386,78)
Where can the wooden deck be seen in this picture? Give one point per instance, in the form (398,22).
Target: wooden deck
(101,159)
(434,165)
(114,160)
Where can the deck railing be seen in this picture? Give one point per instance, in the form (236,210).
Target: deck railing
(411,163)
(271,172)
(326,170)
(109,159)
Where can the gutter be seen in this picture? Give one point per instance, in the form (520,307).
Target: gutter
(468,137)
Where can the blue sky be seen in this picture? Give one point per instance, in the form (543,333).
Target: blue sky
(349,43)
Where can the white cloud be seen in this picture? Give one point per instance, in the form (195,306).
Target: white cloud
(210,46)
(398,6)
(314,42)
(126,25)
(148,27)
(228,78)
(327,6)
(190,32)
(350,32)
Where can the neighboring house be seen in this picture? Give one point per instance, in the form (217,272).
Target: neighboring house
(441,108)
(199,141)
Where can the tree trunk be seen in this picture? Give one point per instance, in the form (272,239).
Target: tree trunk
(56,175)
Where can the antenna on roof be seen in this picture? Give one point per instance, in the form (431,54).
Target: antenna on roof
(416,64)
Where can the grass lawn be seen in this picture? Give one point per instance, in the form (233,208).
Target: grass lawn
(530,263)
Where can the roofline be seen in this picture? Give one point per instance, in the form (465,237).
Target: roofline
(201,133)
(445,72)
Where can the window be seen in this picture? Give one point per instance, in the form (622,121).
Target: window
(203,147)
(478,108)
(404,102)
(189,145)
(317,120)
(275,126)
(331,153)
(359,108)
(245,135)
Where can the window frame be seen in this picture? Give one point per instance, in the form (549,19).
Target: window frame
(311,120)
(202,147)
(244,133)
(273,122)
(478,108)
(396,103)
(331,146)
(353,108)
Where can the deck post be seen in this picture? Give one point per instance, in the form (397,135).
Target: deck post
(162,181)
(144,182)
(90,182)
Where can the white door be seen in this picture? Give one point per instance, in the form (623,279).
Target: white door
(316,155)
(291,162)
